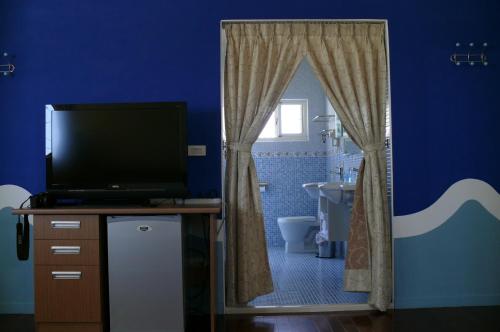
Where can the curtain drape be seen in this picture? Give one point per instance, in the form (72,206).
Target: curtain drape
(350,62)
(259,63)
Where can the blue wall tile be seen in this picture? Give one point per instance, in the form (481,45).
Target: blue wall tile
(337,159)
(285,196)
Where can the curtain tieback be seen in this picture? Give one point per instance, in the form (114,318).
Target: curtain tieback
(373,147)
(240,147)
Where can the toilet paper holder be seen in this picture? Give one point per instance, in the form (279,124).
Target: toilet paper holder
(263,186)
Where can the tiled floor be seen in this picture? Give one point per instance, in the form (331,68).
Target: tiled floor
(303,279)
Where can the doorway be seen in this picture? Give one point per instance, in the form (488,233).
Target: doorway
(302,143)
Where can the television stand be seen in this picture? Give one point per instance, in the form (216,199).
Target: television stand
(109,202)
(82,302)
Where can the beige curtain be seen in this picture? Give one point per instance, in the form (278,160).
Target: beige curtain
(350,61)
(260,61)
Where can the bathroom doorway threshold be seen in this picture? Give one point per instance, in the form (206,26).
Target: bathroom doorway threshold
(297,309)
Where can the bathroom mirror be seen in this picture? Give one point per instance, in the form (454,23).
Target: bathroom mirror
(345,142)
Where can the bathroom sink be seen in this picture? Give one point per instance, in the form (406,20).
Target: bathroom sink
(338,192)
(313,189)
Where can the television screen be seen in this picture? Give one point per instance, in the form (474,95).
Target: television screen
(116,150)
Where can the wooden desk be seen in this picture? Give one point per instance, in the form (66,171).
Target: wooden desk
(92,219)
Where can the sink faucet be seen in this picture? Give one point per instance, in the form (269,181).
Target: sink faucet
(340,172)
(352,174)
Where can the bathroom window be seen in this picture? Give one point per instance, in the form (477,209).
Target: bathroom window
(287,123)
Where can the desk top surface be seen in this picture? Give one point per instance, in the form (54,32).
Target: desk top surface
(126,210)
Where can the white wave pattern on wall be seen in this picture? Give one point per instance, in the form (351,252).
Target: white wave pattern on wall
(438,213)
(12,196)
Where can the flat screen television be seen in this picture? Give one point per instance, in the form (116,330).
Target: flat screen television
(116,151)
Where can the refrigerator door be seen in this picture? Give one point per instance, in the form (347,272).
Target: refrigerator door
(145,274)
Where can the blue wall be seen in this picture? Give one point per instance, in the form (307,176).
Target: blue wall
(445,118)
(456,264)
(16,278)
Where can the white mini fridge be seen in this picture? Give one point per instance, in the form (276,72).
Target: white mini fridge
(146,292)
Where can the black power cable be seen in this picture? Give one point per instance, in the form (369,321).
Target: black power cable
(198,296)
(23,235)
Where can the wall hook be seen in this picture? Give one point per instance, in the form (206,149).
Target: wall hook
(7,69)
(472,56)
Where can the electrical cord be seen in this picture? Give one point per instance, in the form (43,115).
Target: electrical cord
(24,202)
(220,226)
(204,259)
(23,235)
(20,208)
(204,285)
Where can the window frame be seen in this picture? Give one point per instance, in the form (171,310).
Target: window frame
(280,137)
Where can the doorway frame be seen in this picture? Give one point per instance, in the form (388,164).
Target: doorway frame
(222,235)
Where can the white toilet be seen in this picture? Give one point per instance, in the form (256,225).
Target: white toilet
(299,233)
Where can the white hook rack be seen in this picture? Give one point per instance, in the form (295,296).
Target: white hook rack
(8,68)
(472,56)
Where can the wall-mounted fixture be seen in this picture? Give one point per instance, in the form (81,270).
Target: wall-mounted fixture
(473,55)
(324,118)
(263,186)
(326,133)
(8,68)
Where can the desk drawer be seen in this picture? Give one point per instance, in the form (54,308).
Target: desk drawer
(66,227)
(67,252)
(68,294)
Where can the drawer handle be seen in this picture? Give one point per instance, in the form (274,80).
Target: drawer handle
(66,275)
(65,250)
(65,224)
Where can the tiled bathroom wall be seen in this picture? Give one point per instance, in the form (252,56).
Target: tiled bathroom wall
(336,158)
(285,196)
